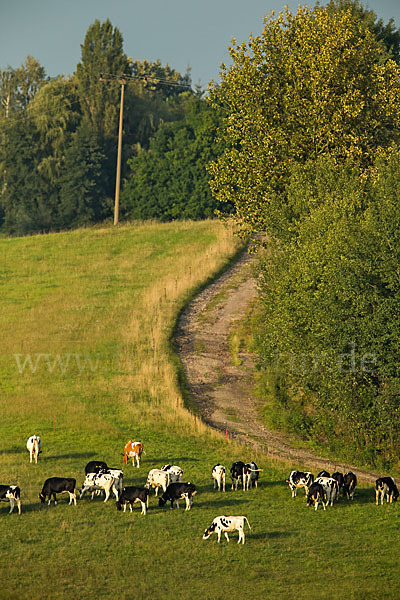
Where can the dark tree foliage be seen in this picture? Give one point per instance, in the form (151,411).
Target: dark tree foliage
(170,180)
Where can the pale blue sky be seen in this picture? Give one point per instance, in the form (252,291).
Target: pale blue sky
(181,32)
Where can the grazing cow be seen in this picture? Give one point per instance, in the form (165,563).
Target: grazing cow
(251,475)
(224,524)
(34,446)
(130,495)
(157,479)
(237,474)
(175,473)
(339,478)
(99,481)
(11,494)
(299,479)
(118,477)
(323,474)
(331,488)
(58,485)
(386,486)
(133,450)
(316,494)
(349,484)
(177,491)
(95,466)
(218,474)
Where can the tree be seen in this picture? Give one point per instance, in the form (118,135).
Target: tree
(102,53)
(312,84)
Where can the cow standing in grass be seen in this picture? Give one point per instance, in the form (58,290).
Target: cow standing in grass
(34,447)
(224,525)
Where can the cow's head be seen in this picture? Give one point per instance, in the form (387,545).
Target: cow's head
(125,459)
(209,531)
(42,497)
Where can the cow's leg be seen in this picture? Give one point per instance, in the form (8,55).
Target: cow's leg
(376,497)
(107,492)
(226,535)
(143,507)
(11,505)
(219,535)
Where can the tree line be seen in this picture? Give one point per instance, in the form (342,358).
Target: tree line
(58,141)
(312,165)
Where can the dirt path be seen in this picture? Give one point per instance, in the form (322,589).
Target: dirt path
(223,393)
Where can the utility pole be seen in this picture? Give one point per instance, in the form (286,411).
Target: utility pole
(123,80)
(118,177)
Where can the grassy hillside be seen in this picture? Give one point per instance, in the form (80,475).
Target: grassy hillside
(85,363)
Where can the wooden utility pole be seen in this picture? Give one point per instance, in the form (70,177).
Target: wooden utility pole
(118,177)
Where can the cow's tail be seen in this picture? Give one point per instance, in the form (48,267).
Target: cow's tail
(247,522)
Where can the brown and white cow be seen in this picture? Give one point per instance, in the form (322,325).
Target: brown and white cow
(133,450)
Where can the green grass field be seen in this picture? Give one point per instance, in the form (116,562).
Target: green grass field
(86,364)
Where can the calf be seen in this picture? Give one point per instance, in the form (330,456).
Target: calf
(218,474)
(34,446)
(251,475)
(316,494)
(349,484)
(299,479)
(224,524)
(177,491)
(386,486)
(11,494)
(157,479)
(133,450)
(331,488)
(95,466)
(58,485)
(237,474)
(99,481)
(130,495)
(175,473)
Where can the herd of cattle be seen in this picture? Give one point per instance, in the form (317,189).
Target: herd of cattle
(99,478)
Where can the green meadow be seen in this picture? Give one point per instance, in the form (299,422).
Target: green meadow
(87,363)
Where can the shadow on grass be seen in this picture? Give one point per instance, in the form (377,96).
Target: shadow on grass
(269,535)
(67,456)
(222,502)
(17,450)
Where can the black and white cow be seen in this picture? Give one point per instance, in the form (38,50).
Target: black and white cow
(386,486)
(95,466)
(58,485)
(132,494)
(339,478)
(100,481)
(251,475)
(323,474)
(299,479)
(331,488)
(349,484)
(316,494)
(218,474)
(224,524)
(177,491)
(11,494)
(175,473)
(237,474)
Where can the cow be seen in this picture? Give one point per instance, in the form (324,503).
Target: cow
(11,494)
(237,474)
(133,450)
(175,473)
(132,494)
(323,474)
(224,524)
(331,488)
(339,478)
(99,481)
(349,484)
(386,486)
(299,479)
(118,477)
(157,479)
(218,474)
(177,491)
(251,475)
(34,446)
(58,485)
(316,494)
(95,466)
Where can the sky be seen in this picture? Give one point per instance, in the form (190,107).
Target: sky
(182,33)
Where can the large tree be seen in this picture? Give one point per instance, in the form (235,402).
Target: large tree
(313,83)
